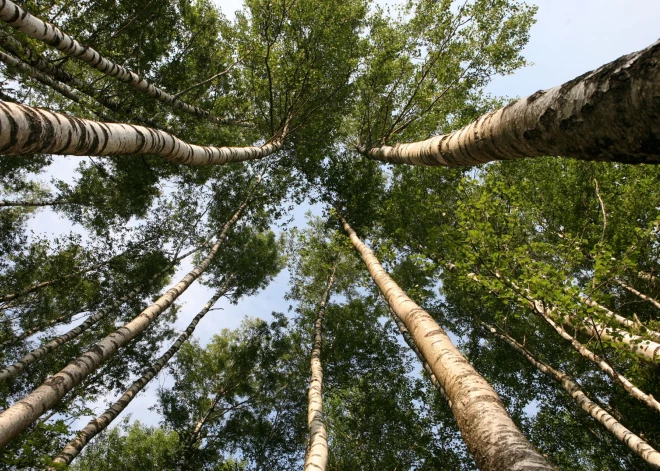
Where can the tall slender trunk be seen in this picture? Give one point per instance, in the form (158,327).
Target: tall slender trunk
(493,439)
(632,325)
(19,416)
(413,346)
(635,443)
(41,64)
(75,446)
(4,203)
(182,462)
(618,378)
(46,80)
(20,19)
(26,130)
(639,294)
(609,114)
(317,444)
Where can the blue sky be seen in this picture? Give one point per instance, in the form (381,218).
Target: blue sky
(569,38)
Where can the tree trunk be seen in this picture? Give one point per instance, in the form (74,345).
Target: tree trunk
(636,444)
(75,446)
(413,346)
(20,19)
(493,439)
(317,444)
(650,277)
(38,62)
(49,82)
(628,323)
(19,416)
(639,294)
(26,130)
(4,203)
(633,390)
(610,114)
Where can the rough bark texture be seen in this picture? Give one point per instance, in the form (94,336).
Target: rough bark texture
(75,446)
(639,294)
(493,439)
(26,130)
(633,390)
(609,114)
(636,444)
(41,64)
(19,18)
(19,416)
(317,445)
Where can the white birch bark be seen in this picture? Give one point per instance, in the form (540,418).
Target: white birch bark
(493,439)
(22,20)
(618,378)
(609,114)
(639,294)
(635,443)
(27,130)
(317,444)
(628,323)
(94,427)
(20,415)
(650,277)
(46,80)
(42,65)
(5,203)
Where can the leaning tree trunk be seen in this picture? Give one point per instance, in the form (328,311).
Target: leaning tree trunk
(5,203)
(26,130)
(46,80)
(633,326)
(618,378)
(19,416)
(42,65)
(609,114)
(18,18)
(493,439)
(317,445)
(639,294)
(94,427)
(635,443)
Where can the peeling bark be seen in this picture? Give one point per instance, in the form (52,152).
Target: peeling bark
(94,427)
(493,439)
(19,416)
(22,20)
(609,114)
(634,443)
(27,130)
(317,443)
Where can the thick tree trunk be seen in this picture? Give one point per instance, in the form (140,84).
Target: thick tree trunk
(18,18)
(75,446)
(618,378)
(26,130)
(493,439)
(639,294)
(317,444)
(41,64)
(413,346)
(19,416)
(636,444)
(610,114)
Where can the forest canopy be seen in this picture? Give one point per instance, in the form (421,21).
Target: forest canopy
(477,288)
